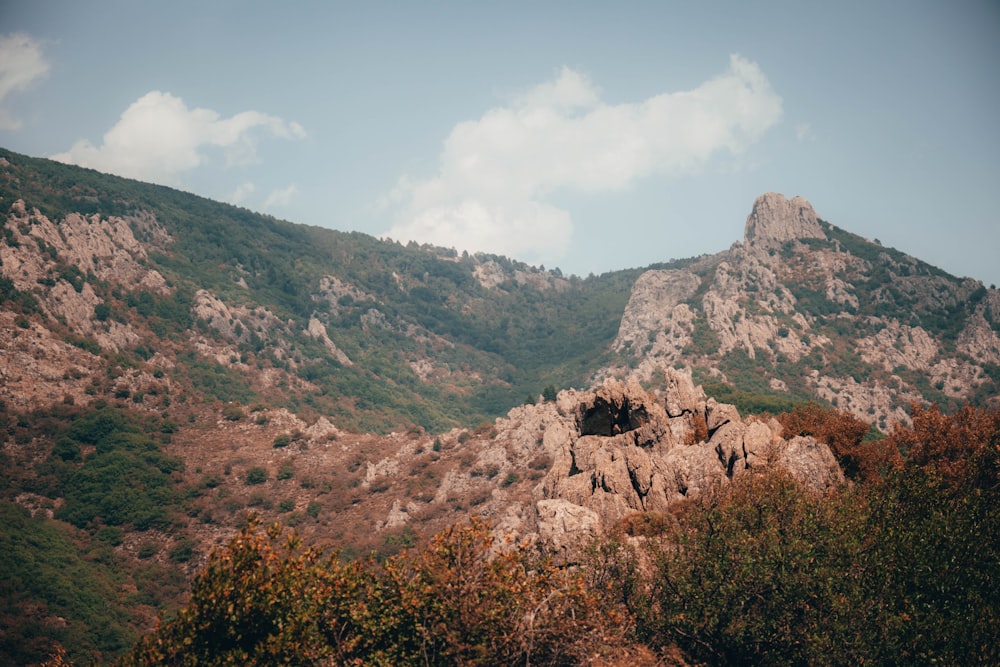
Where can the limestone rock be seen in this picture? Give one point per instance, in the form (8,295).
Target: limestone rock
(717,414)
(810,462)
(619,449)
(775,219)
(566,527)
(651,304)
(682,396)
(318,332)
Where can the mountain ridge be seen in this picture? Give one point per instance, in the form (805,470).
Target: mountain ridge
(780,302)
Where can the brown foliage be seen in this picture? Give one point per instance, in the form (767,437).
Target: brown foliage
(464,599)
(957,447)
(700,432)
(845,435)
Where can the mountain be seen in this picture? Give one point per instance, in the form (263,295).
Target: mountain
(170,364)
(240,306)
(803,309)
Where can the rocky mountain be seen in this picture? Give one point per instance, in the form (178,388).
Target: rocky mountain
(801,308)
(168,364)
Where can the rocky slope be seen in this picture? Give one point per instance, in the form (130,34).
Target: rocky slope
(560,471)
(802,308)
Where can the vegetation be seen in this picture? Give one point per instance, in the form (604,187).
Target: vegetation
(902,566)
(51,571)
(124,480)
(265,599)
(899,566)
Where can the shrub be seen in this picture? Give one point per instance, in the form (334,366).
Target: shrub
(183,552)
(256,475)
(265,600)
(282,440)
(232,412)
(756,576)
(148,550)
(847,436)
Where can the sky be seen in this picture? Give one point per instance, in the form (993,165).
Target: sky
(581,135)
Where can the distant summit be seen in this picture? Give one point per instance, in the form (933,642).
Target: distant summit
(776,219)
(804,310)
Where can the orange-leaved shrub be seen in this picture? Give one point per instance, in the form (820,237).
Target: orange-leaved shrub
(463,600)
(861,458)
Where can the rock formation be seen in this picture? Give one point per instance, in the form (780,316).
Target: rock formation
(775,219)
(818,310)
(619,449)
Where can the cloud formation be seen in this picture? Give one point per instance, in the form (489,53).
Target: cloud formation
(496,172)
(158,137)
(242,191)
(21,63)
(281,197)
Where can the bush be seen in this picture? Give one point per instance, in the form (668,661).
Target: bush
(183,552)
(256,475)
(232,412)
(282,440)
(266,600)
(759,574)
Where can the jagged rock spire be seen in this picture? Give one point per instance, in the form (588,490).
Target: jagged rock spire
(775,219)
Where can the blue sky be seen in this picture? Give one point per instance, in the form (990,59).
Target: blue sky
(588,136)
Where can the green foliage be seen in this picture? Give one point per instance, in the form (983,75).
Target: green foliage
(750,402)
(183,551)
(255,475)
(900,569)
(15,299)
(125,481)
(760,575)
(216,380)
(704,340)
(232,412)
(52,591)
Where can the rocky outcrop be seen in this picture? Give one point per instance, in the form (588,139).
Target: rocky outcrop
(775,220)
(58,262)
(818,313)
(317,331)
(619,449)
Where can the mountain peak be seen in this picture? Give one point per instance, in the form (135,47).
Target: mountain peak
(777,219)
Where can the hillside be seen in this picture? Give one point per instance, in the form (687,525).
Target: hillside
(801,309)
(171,364)
(245,307)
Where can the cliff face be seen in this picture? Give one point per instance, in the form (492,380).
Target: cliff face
(802,308)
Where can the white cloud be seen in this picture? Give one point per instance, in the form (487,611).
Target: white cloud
(803,132)
(281,197)
(21,63)
(496,172)
(240,194)
(158,137)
